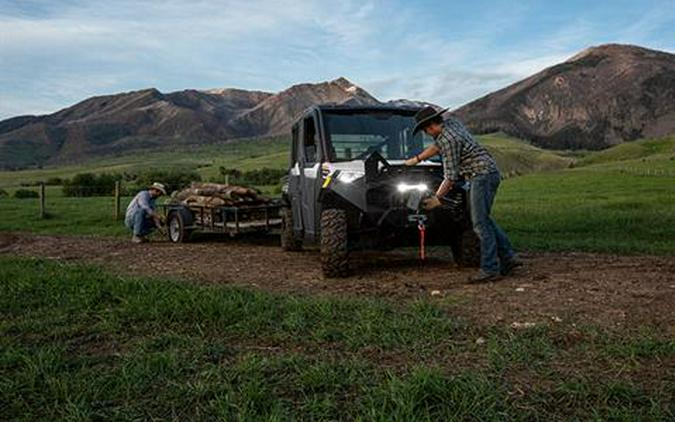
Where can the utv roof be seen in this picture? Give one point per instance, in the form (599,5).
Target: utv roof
(346,108)
(363,108)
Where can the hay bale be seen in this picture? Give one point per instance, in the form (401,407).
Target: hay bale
(204,201)
(213,195)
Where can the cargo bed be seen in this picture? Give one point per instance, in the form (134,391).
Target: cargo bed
(184,220)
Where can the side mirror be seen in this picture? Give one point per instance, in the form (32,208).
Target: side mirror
(310,153)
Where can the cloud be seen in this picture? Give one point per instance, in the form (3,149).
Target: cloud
(660,16)
(92,48)
(55,53)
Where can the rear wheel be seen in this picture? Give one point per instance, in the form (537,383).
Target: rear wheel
(334,252)
(289,240)
(176,228)
(466,248)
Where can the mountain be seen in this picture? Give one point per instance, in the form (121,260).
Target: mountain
(148,118)
(601,97)
(275,114)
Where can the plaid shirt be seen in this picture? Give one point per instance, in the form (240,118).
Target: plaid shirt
(462,155)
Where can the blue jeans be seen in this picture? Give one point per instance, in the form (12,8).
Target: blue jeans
(494,244)
(140,223)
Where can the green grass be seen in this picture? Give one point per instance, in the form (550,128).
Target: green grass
(66,216)
(609,203)
(652,149)
(590,209)
(79,343)
(516,157)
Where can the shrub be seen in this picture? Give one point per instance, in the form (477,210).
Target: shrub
(54,181)
(263,176)
(25,193)
(229,172)
(3,193)
(89,184)
(174,179)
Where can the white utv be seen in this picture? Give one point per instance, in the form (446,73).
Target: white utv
(348,189)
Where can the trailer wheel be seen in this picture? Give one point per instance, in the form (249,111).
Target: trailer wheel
(334,252)
(466,248)
(176,228)
(289,240)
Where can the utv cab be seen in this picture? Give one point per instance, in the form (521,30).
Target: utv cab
(349,189)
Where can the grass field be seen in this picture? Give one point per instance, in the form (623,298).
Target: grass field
(516,157)
(590,209)
(609,202)
(78,343)
(81,216)
(649,150)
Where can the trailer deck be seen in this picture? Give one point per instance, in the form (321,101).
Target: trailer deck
(183,220)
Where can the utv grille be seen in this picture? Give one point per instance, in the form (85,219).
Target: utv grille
(380,197)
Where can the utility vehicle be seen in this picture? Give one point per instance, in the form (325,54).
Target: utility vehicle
(348,188)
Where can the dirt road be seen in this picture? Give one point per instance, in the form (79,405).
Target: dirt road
(614,291)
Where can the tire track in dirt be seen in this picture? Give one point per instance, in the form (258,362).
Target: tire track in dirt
(610,290)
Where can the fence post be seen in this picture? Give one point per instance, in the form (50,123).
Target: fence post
(227,179)
(117,200)
(43,212)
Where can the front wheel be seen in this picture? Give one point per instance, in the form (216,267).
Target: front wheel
(334,252)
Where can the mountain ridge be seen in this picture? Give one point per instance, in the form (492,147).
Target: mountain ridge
(145,118)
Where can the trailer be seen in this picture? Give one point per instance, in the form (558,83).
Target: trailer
(185,220)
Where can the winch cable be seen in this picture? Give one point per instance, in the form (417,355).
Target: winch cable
(422,229)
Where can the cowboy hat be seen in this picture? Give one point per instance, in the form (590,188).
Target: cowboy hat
(158,186)
(424,117)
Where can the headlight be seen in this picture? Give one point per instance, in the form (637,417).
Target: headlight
(405,187)
(349,176)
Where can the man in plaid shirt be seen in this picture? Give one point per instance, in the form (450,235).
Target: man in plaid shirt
(465,159)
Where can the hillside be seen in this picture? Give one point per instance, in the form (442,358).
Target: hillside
(515,157)
(645,150)
(601,97)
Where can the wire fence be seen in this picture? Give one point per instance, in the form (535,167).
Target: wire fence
(40,193)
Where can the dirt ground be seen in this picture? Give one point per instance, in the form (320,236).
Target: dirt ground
(610,290)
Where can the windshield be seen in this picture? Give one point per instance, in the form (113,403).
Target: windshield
(354,136)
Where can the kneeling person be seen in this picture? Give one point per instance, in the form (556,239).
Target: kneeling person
(141,216)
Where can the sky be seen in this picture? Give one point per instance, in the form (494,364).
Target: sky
(56,53)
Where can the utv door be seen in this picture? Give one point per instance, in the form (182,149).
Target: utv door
(294,180)
(310,174)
